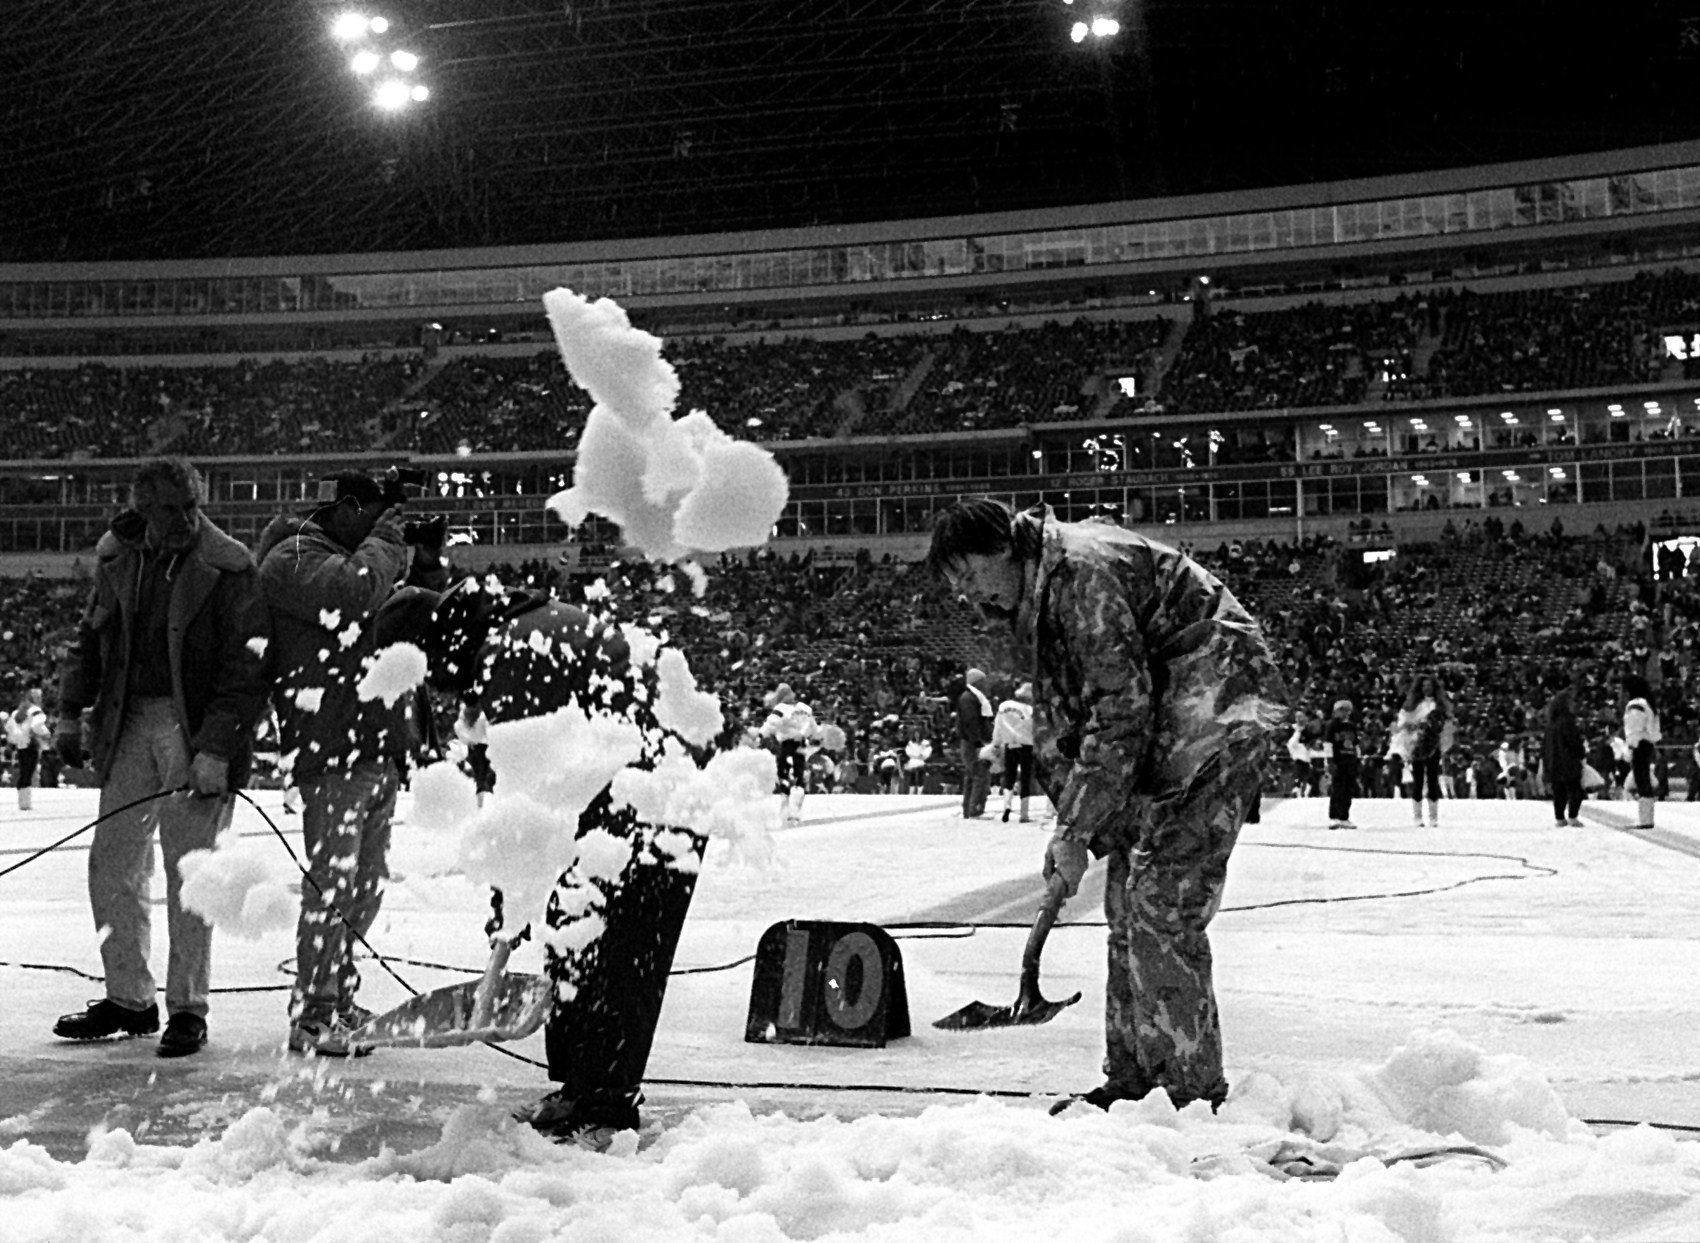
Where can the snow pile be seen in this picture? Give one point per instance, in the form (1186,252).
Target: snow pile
(236,887)
(673,486)
(971,1170)
(392,673)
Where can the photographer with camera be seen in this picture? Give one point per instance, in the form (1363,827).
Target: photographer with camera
(323,578)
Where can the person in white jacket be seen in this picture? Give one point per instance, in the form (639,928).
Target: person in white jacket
(1012,735)
(789,725)
(26,730)
(1641,733)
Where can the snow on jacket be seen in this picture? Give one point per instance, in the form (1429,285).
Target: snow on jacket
(1013,725)
(213,620)
(322,601)
(1146,670)
(793,722)
(1640,723)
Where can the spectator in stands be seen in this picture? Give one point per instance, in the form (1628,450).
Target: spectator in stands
(1641,733)
(1156,704)
(973,731)
(1561,757)
(167,657)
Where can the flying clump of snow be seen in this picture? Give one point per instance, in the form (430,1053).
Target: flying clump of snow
(692,714)
(564,758)
(729,799)
(673,486)
(237,888)
(394,672)
(308,698)
(445,799)
(518,845)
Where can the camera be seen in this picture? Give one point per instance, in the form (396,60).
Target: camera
(426,532)
(402,483)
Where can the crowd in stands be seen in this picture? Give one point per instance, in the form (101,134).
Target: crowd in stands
(1440,343)
(1498,612)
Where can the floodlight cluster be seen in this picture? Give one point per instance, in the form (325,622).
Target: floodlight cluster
(389,68)
(1098,26)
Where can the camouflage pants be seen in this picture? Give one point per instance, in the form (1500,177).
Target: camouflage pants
(1161,1024)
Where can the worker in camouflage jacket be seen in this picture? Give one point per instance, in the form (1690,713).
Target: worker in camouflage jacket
(1155,700)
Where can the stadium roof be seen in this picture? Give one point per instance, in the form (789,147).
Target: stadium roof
(138,129)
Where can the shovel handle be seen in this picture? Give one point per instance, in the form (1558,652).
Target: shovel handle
(484,1000)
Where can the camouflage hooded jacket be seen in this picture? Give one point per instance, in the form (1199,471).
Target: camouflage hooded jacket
(1148,674)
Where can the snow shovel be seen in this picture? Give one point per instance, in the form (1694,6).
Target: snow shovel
(1030,1007)
(494,1008)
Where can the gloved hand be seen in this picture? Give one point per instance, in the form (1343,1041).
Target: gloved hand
(209,776)
(1067,860)
(68,742)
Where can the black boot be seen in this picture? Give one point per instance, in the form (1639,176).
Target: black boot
(106,1018)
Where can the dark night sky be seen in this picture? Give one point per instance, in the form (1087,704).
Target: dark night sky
(202,128)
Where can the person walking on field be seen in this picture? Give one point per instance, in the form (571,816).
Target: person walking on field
(1641,733)
(26,730)
(974,731)
(1155,702)
(1562,755)
(1425,728)
(1012,733)
(1341,733)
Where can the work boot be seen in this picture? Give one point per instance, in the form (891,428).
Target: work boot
(590,1120)
(184,1034)
(1104,1096)
(106,1018)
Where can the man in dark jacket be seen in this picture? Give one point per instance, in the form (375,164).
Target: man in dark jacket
(521,655)
(1563,753)
(973,731)
(1155,697)
(168,657)
(323,578)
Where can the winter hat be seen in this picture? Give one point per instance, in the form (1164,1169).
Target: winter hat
(974,677)
(1024,692)
(782,694)
(1342,703)
(344,484)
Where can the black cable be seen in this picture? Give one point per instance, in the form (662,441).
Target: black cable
(105,815)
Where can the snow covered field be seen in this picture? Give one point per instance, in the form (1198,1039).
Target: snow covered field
(1527,978)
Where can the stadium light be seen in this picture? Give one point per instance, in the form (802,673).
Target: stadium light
(379,25)
(407,62)
(349,26)
(1079,32)
(364,62)
(419,94)
(391,94)
(1105,27)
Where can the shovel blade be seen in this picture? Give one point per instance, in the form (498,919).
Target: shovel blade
(977,1014)
(443,1017)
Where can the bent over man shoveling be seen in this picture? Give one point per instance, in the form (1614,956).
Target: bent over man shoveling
(1155,697)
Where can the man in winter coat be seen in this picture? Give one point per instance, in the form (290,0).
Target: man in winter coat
(1155,697)
(324,577)
(167,656)
(973,732)
(525,655)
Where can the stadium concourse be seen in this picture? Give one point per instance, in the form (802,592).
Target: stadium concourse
(1497,987)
